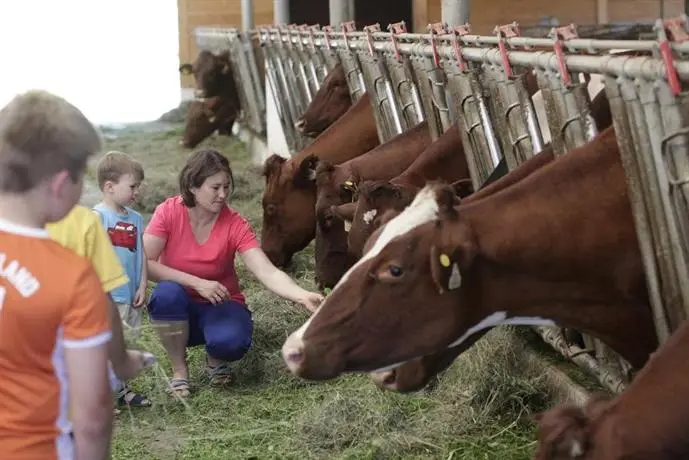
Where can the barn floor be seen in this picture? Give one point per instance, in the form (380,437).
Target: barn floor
(479,409)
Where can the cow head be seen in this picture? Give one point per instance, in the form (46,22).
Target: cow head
(335,185)
(566,432)
(331,101)
(213,74)
(374,199)
(206,116)
(289,201)
(399,301)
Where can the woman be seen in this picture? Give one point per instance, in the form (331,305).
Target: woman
(191,242)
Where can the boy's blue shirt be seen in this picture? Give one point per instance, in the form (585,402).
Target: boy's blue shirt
(126,234)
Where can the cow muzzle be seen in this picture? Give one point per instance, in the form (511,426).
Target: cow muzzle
(385,379)
(299,125)
(307,362)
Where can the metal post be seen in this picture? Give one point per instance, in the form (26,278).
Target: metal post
(455,12)
(281,11)
(247,14)
(340,11)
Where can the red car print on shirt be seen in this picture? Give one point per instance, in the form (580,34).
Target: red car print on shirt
(123,235)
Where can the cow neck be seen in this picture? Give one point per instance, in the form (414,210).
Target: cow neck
(560,245)
(353,134)
(443,159)
(391,158)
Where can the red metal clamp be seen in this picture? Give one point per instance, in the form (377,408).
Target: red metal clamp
(458,32)
(326,35)
(503,32)
(349,26)
(369,36)
(561,35)
(397,28)
(672,30)
(436,29)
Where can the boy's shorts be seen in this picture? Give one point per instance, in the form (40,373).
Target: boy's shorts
(131,320)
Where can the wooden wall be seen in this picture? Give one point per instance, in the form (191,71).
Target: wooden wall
(530,12)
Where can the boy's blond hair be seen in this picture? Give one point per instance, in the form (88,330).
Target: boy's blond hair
(42,134)
(116,164)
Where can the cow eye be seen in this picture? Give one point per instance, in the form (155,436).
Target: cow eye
(395,271)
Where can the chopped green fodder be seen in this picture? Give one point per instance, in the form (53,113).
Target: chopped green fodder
(479,409)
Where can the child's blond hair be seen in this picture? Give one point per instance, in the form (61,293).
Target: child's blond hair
(42,134)
(116,164)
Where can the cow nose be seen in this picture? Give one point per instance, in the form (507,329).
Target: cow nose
(293,352)
(385,379)
(299,125)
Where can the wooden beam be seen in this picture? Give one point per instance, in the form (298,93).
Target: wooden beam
(420,16)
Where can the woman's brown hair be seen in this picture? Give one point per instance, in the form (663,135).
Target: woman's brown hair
(201,165)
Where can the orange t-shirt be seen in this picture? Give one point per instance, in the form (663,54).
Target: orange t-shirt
(50,299)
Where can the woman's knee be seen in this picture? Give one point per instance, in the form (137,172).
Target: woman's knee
(229,338)
(169,302)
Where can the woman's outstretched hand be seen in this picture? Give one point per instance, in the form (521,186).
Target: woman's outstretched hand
(311,300)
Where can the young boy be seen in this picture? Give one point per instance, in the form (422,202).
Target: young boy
(54,327)
(119,178)
(82,232)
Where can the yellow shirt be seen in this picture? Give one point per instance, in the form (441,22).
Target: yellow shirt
(82,232)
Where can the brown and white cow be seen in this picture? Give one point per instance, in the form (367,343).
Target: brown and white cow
(443,159)
(217,103)
(649,420)
(289,198)
(331,101)
(336,184)
(558,246)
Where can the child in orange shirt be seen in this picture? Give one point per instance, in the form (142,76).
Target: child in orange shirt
(54,325)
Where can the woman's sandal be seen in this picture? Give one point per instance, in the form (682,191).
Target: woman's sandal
(178,387)
(219,375)
(127,397)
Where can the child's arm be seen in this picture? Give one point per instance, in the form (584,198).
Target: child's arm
(140,297)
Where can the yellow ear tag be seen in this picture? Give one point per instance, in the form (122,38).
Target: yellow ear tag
(349,183)
(444,260)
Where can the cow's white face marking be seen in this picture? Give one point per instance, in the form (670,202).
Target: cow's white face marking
(423,209)
(369,216)
(347,225)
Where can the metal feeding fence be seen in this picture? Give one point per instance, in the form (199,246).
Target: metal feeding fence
(481,85)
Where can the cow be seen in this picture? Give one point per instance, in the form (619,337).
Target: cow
(205,117)
(289,198)
(217,103)
(647,421)
(212,73)
(558,246)
(443,159)
(331,101)
(336,184)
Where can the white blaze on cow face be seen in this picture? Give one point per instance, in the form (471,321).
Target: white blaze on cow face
(423,209)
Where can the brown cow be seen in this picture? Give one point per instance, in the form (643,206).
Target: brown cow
(217,105)
(331,101)
(647,421)
(558,246)
(289,199)
(205,117)
(443,159)
(336,184)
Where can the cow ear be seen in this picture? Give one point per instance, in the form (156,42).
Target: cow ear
(306,172)
(273,165)
(447,200)
(451,256)
(185,69)
(463,188)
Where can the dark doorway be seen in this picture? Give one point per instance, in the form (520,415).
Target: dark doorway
(384,12)
(309,12)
